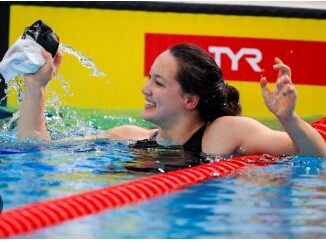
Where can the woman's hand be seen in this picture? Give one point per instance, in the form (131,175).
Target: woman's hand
(281,101)
(43,76)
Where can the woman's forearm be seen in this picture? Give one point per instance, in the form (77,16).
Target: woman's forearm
(306,139)
(32,123)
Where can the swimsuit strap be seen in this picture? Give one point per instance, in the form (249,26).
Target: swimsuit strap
(146,143)
(194,143)
(153,136)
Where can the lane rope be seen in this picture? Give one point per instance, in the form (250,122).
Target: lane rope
(29,218)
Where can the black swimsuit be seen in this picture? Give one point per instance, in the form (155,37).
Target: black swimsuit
(192,145)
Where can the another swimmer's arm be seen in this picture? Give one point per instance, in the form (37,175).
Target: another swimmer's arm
(31,122)
(281,102)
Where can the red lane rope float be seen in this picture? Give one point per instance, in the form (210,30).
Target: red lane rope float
(320,126)
(48,213)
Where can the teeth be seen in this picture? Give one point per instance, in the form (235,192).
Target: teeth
(149,104)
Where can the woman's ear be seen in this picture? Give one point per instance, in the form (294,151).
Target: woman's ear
(191,101)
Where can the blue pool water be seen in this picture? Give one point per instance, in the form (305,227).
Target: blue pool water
(283,200)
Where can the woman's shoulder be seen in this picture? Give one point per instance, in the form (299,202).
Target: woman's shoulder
(232,125)
(222,136)
(225,135)
(232,120)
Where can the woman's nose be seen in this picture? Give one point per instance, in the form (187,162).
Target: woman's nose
(146,88)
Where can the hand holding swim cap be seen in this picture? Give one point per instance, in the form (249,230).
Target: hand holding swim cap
(25,57)
(281,101)
(32,121)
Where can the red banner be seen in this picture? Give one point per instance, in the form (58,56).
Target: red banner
(247,59)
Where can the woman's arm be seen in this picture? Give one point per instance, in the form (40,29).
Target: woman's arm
(242,135)
(31,122)
(281,102)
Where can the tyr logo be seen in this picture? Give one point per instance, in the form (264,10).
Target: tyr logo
(252,55)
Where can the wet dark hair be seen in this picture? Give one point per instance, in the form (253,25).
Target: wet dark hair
(199,74)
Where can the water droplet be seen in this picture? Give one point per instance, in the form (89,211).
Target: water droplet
(215,174)
(161,170)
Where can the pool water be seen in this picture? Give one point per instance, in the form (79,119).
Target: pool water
(282,200)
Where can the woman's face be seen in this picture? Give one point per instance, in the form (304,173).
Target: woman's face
(164,98)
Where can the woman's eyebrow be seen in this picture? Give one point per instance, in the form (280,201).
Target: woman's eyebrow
(156,75)
(159,76)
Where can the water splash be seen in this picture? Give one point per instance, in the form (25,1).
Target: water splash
(11,123)
(17,84)
(65,85)
(64,122)
(84,60)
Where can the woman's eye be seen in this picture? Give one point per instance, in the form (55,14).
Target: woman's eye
(158,83)
(155,80)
